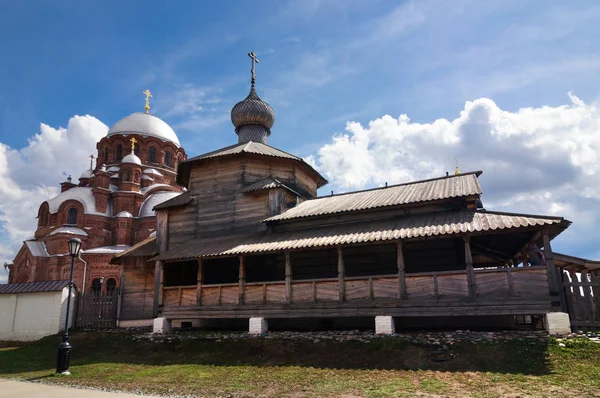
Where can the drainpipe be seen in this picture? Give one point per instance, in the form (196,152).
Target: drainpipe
(84,272)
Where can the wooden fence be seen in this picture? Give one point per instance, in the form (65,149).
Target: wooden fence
(582,294)
(97,312)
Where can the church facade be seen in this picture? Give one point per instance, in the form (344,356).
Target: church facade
(250,239)
(110,208)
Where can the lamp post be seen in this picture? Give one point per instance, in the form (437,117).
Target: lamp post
(62,364)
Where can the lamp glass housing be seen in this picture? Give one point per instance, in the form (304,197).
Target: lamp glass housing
(74,247)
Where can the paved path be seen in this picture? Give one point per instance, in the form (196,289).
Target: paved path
(9,388)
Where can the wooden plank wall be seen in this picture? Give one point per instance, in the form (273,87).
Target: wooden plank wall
(582,292)
(137,289)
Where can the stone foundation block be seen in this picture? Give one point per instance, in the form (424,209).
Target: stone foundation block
(258,325)
(384,325)
(558,323)
(161,326)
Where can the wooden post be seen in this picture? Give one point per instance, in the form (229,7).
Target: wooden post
(550,267)
(199,283)
(401,271)
(288,278)
(158,269)
(470,271)
(242,281)
(524,257)
(341,283)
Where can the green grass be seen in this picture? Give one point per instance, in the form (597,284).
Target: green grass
(270,367)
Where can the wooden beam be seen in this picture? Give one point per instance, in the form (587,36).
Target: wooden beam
(401,271)
(551,268)
(341,271)
(288,277)
(470,271)
(242,281)
(158,269)
(199,283)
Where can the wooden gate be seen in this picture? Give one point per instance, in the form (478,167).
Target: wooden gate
(97,311)
(582,295)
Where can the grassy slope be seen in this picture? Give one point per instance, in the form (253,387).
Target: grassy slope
(265,367)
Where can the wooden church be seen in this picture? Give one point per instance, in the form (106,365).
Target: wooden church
(250,240)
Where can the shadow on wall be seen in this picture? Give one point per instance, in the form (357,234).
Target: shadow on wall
(384,354)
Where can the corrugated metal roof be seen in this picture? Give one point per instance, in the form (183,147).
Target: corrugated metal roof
(145,248)
(256,148)
(37,249)
(179,200)
(455,186)
(33,287)
(432,224)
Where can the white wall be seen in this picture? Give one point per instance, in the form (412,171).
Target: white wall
(31,316)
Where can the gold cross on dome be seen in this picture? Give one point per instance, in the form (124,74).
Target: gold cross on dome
(254,61)
(133,141)
(91,161)
(456,171)
(148,95)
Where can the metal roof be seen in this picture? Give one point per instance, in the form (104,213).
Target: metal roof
(454,186)
(268,183)
(33,287)
(37,249)
(425,225)
(251,147)
(145,248)
(179,200)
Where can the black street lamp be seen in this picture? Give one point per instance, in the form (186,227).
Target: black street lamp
(62,364)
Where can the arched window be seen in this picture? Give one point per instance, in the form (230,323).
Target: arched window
(118,152)
(111,287)
(72,216)
(106,155)
(96,287)
(136,150)
(136,177)
(167,158)
(152,155)
(127,175)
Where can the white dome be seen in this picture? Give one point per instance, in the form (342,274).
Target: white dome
(131,158)
(146,210)
(125,214)
(146,125)
(87,174)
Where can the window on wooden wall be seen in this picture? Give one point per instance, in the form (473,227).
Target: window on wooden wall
(221,270)
(111,286)
(119,152)
(370,260)
(314,264)
(152,155)
(184,273)
(167,158)
(265,268)
(72,216)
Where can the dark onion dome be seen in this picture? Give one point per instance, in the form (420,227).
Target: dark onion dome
(252,118)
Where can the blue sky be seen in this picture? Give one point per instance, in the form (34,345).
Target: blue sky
(323,63)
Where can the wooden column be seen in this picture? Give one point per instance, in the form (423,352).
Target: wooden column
(158,271)
(199,283)
(401,271)
(470,271)
(288,278)
(242,281)
(341,271)
(550,267)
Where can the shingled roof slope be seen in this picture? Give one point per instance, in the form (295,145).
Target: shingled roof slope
(145,248)
(33,287)
(460,185)
(177,201)
(418,226)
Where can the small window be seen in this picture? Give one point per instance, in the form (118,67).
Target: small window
(119,152)
(72,216)
(111,287)
(136,177)
(127,175)
(167,158)
(106,155)
(152,155)
(96,287)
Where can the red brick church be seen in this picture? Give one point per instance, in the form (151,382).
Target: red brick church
(110,209)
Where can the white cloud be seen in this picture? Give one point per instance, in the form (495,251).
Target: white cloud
(32,174)
(536,160)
